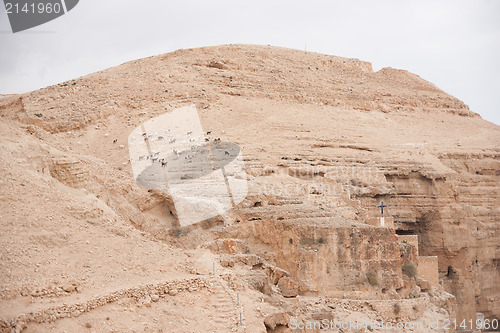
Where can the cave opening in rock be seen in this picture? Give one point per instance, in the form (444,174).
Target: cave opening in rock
(450,274)
(406,232)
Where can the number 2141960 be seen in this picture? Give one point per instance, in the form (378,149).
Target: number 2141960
(39,8)
(485,324)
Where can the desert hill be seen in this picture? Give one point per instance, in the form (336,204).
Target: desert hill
(325,139)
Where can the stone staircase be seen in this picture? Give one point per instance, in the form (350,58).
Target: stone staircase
(228,312)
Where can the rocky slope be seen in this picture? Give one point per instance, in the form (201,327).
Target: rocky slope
(325,139)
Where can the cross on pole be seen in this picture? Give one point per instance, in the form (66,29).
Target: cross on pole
(382,207)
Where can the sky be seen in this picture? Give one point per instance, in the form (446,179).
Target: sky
(453,44)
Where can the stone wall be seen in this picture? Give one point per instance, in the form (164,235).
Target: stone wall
(163,289)
(388,221)
(335,261)
(427,267)
(409,239)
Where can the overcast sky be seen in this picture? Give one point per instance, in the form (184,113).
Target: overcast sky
(454,44)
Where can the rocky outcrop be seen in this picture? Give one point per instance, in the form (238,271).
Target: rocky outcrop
(332,260)
(325,140)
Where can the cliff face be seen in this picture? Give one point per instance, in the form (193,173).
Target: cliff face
(335,261)
(456,218)
(325,139)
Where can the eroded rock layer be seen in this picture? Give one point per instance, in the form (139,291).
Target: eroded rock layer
(325,140)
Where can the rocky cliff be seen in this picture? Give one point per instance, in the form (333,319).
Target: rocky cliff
(325,140)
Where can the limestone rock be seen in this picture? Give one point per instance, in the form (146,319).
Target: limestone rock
(288,287)
(277,322)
